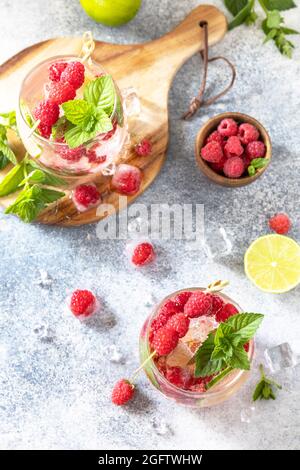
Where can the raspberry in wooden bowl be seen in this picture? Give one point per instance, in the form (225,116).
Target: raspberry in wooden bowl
(233,149)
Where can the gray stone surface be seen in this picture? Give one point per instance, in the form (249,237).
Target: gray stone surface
(55,375)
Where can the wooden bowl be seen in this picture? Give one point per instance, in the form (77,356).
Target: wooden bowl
(212,125)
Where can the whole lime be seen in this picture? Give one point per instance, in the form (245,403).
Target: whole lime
(111,12)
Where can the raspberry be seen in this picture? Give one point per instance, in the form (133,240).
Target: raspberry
(55,71)
(255,149)
(198,304)
(228,310)
(165,340)
(234,167)
(122,392)
(280,223)
(199,383)
(86,195)
(71,155)
(212,152)
(247,133)
(127,179)
(246,160)
(217,304)
(47,112)
(45,131)
(73,74)
(170,307)
(233,147)
(228,127)
(246,347)
(109,134)
(93,156)
(144,148)
(143,254)
(215,136)
(180,323)
(218,167)
(182,298)
(83,302)
(179,377)
(61,92)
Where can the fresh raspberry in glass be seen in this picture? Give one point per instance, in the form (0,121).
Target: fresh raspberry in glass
(247,133)
(47,112)
(60,92)
(181,299)
(93,155)
(56,69)
(83,303)
(165,340)
(143,254)
(228,127)
(212,152)
(73,74)
(109,134)
(255,149)
(228,310)
(280,223)
(234,167)
(199,304)
(233,147)
(45,131)
(127,179)
(180,323)
(71,155)
(179,377)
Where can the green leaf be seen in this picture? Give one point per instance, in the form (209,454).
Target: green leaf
(245,324)
(31,201)
(289,31)
(258,390)
(8,153)
(274,19)
(3,161)
(9,120)
(77,111)
(239,359)
(271,34)
(243,14)
(77,136)
(280,5)
(3,132)
(204,365)
(234,6)
(103,124)
(61,126)
(11,181)
(48,179)
(101,93)
(259,163)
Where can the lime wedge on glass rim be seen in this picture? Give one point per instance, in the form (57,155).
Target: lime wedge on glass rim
(272,263)
(111,12)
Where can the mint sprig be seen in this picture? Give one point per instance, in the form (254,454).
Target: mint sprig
(91,115)
(256,164)
(224,346)
(7,121)
(273,26)
(265,389)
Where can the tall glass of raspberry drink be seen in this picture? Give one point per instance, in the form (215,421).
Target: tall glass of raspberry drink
(174,374)
(90,159)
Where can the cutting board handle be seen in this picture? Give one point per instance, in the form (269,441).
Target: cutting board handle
(177,46)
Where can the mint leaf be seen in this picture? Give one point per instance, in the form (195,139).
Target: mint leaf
(289,31)
(274,19)
(103,124)
(101,93)
(239,359)
(242,15)
(9,120)
(31,201)
(251,170)
(12,180)
(77,136)
(259,162)
(77,111)
(204,365)
(49,178)
(235,6)
(8,153)
(59,129)
(280,5)
(245,324)
(265,388)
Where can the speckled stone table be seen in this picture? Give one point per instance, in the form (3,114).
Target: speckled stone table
(56,373)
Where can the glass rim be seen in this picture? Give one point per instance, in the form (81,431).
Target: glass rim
(44,62)
(237,373)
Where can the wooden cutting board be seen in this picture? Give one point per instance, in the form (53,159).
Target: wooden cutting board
(149,68)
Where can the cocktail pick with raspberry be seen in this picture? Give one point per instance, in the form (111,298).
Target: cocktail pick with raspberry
(174,324)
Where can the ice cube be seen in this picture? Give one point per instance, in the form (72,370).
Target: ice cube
(114,354)
(161,427)
(217,244)
(280,357)
(199,329)
(247,414)
(180,356)
(45,280)
(131,102)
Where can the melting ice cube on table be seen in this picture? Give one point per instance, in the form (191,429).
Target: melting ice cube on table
(247,414)
(280,357)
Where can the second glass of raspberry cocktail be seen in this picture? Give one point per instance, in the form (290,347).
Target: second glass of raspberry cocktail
(70,118)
